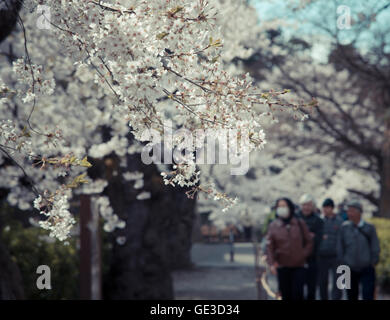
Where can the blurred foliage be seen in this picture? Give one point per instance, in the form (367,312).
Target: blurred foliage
(271,216)
(383,268)
(31,247)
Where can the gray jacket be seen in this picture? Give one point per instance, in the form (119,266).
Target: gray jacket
(358,247)
(328,244)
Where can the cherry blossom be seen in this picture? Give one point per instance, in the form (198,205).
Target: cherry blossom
(109,69)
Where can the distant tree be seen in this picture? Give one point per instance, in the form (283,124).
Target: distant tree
(351,124)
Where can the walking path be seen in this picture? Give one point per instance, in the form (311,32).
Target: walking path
(214,277)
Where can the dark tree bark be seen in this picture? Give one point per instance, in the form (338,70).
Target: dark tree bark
(158,233)
(8,16)
(384,200)
(11,285)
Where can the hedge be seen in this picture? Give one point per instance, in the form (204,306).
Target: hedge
(383,268)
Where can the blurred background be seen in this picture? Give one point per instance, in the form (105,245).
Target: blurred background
(174,247)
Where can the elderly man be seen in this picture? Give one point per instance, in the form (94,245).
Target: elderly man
(315,224)
(358,248)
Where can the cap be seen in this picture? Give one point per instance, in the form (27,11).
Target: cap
(355,204)
(328,203)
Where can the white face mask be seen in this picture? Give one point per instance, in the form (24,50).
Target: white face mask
(282,212)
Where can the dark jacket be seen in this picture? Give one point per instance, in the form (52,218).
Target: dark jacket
(316,225)
(289,244)
(358,247)
(331,229)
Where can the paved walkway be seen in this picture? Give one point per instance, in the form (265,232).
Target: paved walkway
(215,277)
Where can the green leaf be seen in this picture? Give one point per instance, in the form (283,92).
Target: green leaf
(162,35)
(77,181)
(85,163)
(175,10)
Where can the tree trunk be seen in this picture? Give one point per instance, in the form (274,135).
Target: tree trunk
(90,250)
(157,233)
(179,230)
(8,16)
(384,202)
(11,284)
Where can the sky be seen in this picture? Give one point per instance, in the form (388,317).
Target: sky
(326,10)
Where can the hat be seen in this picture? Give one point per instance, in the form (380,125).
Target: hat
(355,204)
(328,203)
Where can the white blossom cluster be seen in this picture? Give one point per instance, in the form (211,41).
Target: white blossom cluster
(114,64)
(144,51)
(112,221)
(60,220)
(32,75)
(144,195)
(94,187)
(182,175)
(13,139)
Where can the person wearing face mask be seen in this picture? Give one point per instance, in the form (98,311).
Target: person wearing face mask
(289,243)
(316,226)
